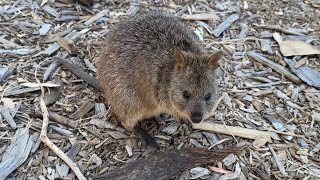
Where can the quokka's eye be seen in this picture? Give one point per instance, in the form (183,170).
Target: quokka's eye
(207,97)
(186,95)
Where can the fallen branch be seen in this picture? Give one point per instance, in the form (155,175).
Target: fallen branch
(167,164)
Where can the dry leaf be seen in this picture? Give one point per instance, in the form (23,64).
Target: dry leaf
(294,47)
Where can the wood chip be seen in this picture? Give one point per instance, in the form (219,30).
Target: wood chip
(83,110)
(67,46)
(225,24)
(52,95)
(8,117)
(96,17)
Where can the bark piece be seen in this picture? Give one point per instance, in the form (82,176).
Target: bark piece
(96,17)
(57,118)
(84,109)
(67,46)
(8,117)
(51,69)
(307,74)
(20,91)
(278,28)
(52,95)
(293,47)
(52,48)
(17,152)
(278,161)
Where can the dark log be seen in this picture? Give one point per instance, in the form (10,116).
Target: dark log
(167,165)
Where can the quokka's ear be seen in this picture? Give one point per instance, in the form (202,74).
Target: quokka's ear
(179,58)
(213,60)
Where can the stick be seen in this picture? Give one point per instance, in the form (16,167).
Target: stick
(48,142)
(237,131)
(80,73)
(278,28)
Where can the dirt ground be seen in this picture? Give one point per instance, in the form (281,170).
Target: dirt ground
(269,81)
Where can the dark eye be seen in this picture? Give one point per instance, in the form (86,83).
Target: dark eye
(207,97)
(186,95)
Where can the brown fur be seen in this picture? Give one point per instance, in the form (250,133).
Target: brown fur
(148,62)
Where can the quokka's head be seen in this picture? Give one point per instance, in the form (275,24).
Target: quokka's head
(193,87)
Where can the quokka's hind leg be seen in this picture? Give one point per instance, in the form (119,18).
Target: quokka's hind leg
(142,134)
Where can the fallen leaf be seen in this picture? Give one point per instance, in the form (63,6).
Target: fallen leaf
(294,47)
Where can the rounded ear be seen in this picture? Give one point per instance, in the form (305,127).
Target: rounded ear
(213,60)
(179,59)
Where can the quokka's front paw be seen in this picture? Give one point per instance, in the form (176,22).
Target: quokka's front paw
(146,138)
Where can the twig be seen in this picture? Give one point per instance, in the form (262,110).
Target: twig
(44,138)
(278,28)
(232,41)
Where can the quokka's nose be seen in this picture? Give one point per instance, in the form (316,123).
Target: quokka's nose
(196,117)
